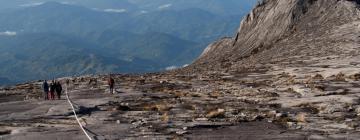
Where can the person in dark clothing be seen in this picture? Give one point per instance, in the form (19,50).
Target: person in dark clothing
(111,83)
(45,87)
(58,89)
(52,90)
(67,81)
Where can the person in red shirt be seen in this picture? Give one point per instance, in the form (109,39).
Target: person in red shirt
(111,83)
(52,90)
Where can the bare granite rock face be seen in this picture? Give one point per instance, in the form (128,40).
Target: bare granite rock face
(285,28)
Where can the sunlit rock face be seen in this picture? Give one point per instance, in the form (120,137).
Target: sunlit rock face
(281,25)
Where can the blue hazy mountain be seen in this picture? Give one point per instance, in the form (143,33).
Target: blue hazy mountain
(224,7)
(40,39)
(190,24)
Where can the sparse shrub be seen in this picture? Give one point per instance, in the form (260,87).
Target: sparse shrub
(291,81)
(318,77)
(283,120)
(189,107)
(215,94)
(301,117)
(161,107)
(179,94)
(355,77)
(311,108)
(165,117)
(340,77)
(219,113)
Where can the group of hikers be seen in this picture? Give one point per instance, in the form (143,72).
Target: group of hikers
(50,89)
(56,87)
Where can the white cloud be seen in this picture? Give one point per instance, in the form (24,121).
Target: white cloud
(143,12)
(164,6)
(32,4)
(171,68)
(176,67)
(115,10)
(67,3)
(96,9)
(8,33)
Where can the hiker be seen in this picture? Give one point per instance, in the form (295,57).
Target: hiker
(58,89)
(67,83)
(45,87)
(52,90)
(111,83)
(92,82)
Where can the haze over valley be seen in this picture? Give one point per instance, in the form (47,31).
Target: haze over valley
(45,39)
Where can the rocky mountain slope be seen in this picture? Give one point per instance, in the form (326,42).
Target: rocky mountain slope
(291,72)
(283,29)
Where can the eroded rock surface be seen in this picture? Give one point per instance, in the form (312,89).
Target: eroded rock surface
(166,106)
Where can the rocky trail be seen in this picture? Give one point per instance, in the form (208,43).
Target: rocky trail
(156,109)
(254,105)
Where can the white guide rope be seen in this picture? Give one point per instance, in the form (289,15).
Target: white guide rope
(77,119)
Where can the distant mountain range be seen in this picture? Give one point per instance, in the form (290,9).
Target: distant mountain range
(228,7)
(43,40)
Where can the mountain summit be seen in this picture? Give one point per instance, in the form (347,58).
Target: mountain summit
(287,28)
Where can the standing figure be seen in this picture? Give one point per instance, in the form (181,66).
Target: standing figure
(111,83)
(52,90)
(45,87)
(58,89)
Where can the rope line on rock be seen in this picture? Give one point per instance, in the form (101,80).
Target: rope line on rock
(76,117)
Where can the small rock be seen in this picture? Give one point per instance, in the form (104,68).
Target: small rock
(272,113)
(201,119)
(291,124)
(357,110)
(118,121)
(181,132)
(298,127)
(281,115)
(257,117)
(40,125)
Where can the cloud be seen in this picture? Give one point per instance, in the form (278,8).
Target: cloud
(164,6)
(32,4)
(67,3)
(171,68)
(8,33)
(115,10)
(175,67)
(143,12)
